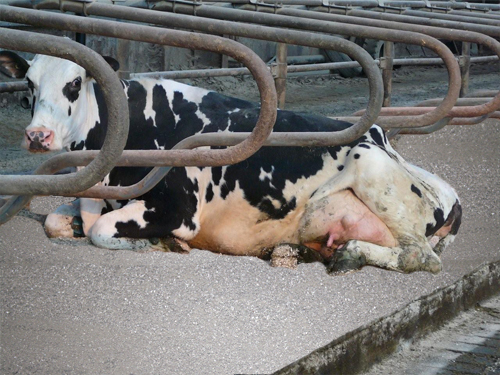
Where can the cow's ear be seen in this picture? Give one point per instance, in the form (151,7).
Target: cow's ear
(115,65)
(13,65)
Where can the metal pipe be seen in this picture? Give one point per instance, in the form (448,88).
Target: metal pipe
(294,22)
(387,64)
(427,129)
(265,33)
(452,17)
(13,86)
(444,24)
(179,39)
(481,93)
(361,17)
(475,15)
(460,101)
(116,103)
(280,73)
(464,62)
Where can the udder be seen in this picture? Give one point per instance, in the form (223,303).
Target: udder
(332,221)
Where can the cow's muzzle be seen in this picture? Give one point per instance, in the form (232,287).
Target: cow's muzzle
(38,140)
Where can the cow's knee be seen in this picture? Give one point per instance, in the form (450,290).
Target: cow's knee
(104,234)
(419,258)
(65,221)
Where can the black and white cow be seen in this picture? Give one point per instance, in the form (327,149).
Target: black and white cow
(354,204)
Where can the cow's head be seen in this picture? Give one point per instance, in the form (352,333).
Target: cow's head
(62,99)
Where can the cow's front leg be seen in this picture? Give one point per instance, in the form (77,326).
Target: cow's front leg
(65,221)
(121,229)
(417,256)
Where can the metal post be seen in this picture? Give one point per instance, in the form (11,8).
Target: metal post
(387,64)
(281,70)
(122,55)
(464,62)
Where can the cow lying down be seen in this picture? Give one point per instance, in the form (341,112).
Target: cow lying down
(348,206)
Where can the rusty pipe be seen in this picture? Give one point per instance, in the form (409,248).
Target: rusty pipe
(310,25)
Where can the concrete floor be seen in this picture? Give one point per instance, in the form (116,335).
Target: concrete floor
(68,307)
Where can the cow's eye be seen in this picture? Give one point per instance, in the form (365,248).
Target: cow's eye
(77,83)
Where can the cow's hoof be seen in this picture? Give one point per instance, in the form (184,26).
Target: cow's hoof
(77,226)
(344,262)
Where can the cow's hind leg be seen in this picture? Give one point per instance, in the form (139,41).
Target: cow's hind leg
(417,256)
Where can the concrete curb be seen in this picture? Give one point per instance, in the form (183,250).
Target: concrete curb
(357,350)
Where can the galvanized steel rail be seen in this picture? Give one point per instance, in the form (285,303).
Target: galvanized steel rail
(119,30)
(288,36)
(363,18)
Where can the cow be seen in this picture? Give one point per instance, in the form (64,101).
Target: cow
(348,206)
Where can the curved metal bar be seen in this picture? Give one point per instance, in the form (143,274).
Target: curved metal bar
(182,39)
(265,33)
(362,18)
(311,25)
(175,38)
(115,100)
(470,120)
(426,129)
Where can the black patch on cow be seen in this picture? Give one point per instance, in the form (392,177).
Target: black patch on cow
(347,153)
(416,190)
(71,90)
(377,138)
(96,135)
(334,151)
(455,217)
(126,229)
(33,102)
(224,191)
(107,208)
(357,156)
(209,195)
(216,175)
(385,137)
(433,228)
(31,86)
(75,147)
(69,111)
(266,206)
(364,145)
(340,168)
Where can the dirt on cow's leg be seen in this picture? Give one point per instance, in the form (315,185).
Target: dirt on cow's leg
(290,255)
(407,258)
(346,259)
(170,244)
